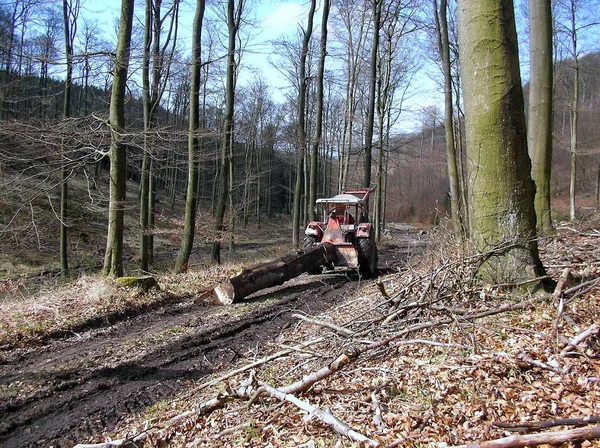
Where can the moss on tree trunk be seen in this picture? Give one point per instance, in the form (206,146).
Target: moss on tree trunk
(503,221)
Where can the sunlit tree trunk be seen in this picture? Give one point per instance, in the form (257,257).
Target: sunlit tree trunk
(154,74)
(441,18)
(499,169)
(368,149)
(301,127)
(113,258)
(187,241)
(70,13)
(314,155)
(573,110)
(233,24)
(540,117)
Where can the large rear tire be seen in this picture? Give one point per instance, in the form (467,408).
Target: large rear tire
(309,242)
(367,256)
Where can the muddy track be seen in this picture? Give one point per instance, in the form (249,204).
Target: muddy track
(73,388)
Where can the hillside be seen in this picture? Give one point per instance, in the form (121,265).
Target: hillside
(423,357)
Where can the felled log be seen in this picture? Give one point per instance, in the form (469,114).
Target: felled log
(273,273)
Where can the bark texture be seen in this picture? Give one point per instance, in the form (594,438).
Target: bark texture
(539,128)
(191,199)
(113,258)
(273,273)
(502,193)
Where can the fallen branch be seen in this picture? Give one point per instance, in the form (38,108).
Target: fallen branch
(528,426)
(322,323)
(324,416)
(524,360)
(589,332)
(548,438)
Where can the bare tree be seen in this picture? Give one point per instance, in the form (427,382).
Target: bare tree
(301,125)
(113,258)
(158,52)
(441,20)
(70,15)
(234,20)
(314,155)
(368,148)
(187,241)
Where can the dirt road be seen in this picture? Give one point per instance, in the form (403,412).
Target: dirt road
(71,388)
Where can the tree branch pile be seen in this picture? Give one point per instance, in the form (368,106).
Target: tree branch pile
(423,357)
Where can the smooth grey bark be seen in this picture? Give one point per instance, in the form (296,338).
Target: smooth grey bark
(573,109)
(233,25)
(499,169)
(368,148)
(153,87)
(314,155)
(540,116)
(191,198)
(441,19)
(70,13)
(113,258)
(301,127)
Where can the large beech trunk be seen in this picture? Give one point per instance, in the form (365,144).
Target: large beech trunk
(273,273)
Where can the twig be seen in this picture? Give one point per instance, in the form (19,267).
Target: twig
(324,416)
(549,438)
(322,323)
(522,358)
(382,290)
(589,285)
(209,406)
(589,332)
(558,295)
(528,426)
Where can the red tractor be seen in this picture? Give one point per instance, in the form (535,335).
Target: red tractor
(344,222)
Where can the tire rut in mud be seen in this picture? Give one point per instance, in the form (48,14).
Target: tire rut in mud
(78,388)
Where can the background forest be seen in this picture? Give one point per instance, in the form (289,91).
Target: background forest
(57,63)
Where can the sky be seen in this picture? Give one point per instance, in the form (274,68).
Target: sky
(272,19)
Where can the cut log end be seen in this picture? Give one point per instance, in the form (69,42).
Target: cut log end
(224,294)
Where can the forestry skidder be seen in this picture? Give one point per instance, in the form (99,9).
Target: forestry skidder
(343,237)
(344,222)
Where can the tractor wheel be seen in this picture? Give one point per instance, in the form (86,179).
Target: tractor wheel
(309,242)
(367,256)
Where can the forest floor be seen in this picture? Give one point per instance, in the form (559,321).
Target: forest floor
(420,357)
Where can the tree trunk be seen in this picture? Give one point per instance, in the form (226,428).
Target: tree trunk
(314,155)
(145,170)
(368,150)
(500,185)
(574,112)
(233,23)
(70,13)
(273,273)
(191,198)
(113,258)
(301,127)
(539,127)
(444,49)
